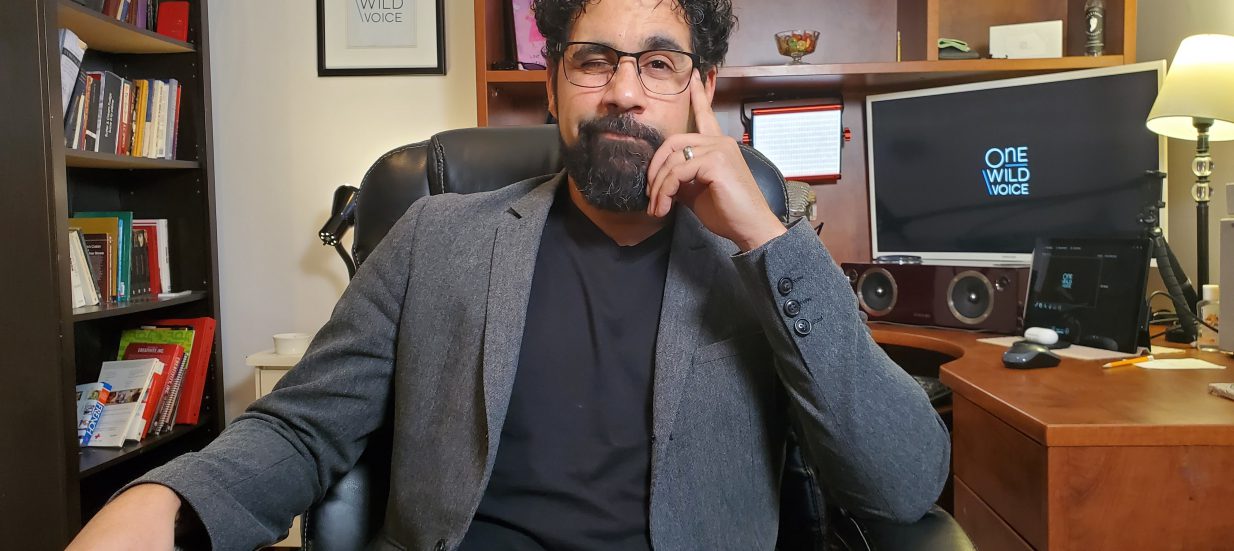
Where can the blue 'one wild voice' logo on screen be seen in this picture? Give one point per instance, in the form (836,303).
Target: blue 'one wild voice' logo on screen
(1007,173)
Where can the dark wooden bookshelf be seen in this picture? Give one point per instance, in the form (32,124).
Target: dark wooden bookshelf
(51,347)
(76,158)
(97,460)
(134,306)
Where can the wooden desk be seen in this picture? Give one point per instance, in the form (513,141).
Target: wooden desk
(1077,457)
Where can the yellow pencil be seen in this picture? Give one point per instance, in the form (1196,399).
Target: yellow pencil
(1128,361)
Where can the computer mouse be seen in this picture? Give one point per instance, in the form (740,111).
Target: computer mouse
(1029,355)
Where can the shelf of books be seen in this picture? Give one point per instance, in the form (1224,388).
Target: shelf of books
(134,306)
(96,26)
(77,158)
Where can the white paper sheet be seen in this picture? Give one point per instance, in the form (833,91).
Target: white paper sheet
(1179,363)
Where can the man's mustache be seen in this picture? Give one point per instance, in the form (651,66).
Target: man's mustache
(625,125)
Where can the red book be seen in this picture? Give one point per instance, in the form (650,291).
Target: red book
(125,108)
(170,355)
(152,243)
(174,20)
(111,8)
(189,410)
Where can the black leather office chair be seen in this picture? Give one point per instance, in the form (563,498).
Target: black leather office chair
(482,159)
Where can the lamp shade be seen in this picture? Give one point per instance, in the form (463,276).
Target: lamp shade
(1200,84)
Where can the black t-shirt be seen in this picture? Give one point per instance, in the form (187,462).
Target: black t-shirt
(573,465)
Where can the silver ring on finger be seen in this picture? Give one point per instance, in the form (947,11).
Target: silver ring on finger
(688,152)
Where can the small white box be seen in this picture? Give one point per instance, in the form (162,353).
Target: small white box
(1027,40)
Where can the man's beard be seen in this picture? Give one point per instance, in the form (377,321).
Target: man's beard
(612,174)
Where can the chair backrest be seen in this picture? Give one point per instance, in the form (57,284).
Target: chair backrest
(467,160)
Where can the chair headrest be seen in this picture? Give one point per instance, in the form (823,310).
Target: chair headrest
(470,160)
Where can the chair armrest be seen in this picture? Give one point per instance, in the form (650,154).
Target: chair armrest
(936,531)
(354,508)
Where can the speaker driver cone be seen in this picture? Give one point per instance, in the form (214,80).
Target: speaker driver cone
(970,297)
(877,291)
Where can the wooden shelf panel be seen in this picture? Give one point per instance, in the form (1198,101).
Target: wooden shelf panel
(94,460)
(925,67)
(873,74)
(141,304)
(738,81)
(109,35)
(76,158)
(516,76)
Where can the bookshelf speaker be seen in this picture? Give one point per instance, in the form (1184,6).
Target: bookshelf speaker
(965,297)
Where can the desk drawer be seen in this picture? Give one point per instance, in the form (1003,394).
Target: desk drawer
(1004,468)
(982,525)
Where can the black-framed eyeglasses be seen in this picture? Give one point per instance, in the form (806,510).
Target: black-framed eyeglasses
(662,71)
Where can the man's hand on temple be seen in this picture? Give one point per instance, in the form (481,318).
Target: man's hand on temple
(143,517)
(706,172)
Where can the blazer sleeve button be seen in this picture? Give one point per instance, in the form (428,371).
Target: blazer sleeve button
(802,327)
(792,308)
(785,286)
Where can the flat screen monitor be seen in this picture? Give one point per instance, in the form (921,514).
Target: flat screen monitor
(977,173)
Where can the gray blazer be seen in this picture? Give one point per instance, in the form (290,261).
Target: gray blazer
(431,327)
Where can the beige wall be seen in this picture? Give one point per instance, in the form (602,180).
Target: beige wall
(1162,25)
(284,139)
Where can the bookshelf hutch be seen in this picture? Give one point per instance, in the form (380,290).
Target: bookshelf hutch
(856,57)
(48,486)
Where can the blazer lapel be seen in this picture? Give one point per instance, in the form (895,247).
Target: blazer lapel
(515,246)
(691,266)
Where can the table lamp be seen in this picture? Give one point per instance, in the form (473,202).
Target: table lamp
(1197,103)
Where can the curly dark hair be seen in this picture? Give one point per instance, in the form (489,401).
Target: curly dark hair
(710,21)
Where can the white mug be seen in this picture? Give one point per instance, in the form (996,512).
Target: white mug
(291,343)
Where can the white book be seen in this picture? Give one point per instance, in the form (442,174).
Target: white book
(163,252)
(130,381)
(75,279)
(74,141)
(72,49)
(91,399)
(160,136)
(169,139)
(138,425)
(79,272)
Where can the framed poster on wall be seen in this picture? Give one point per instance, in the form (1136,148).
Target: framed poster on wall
(381,37)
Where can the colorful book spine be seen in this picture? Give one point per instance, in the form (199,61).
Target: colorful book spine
(91,398)
(90,134)
(124,246)
(110,117)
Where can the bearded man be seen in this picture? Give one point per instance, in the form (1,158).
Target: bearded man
(609,358)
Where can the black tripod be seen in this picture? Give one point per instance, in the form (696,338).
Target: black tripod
(1177,285)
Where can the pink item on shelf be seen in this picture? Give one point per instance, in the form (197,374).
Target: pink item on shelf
(528,40)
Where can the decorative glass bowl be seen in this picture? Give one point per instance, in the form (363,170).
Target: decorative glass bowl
(796,44)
